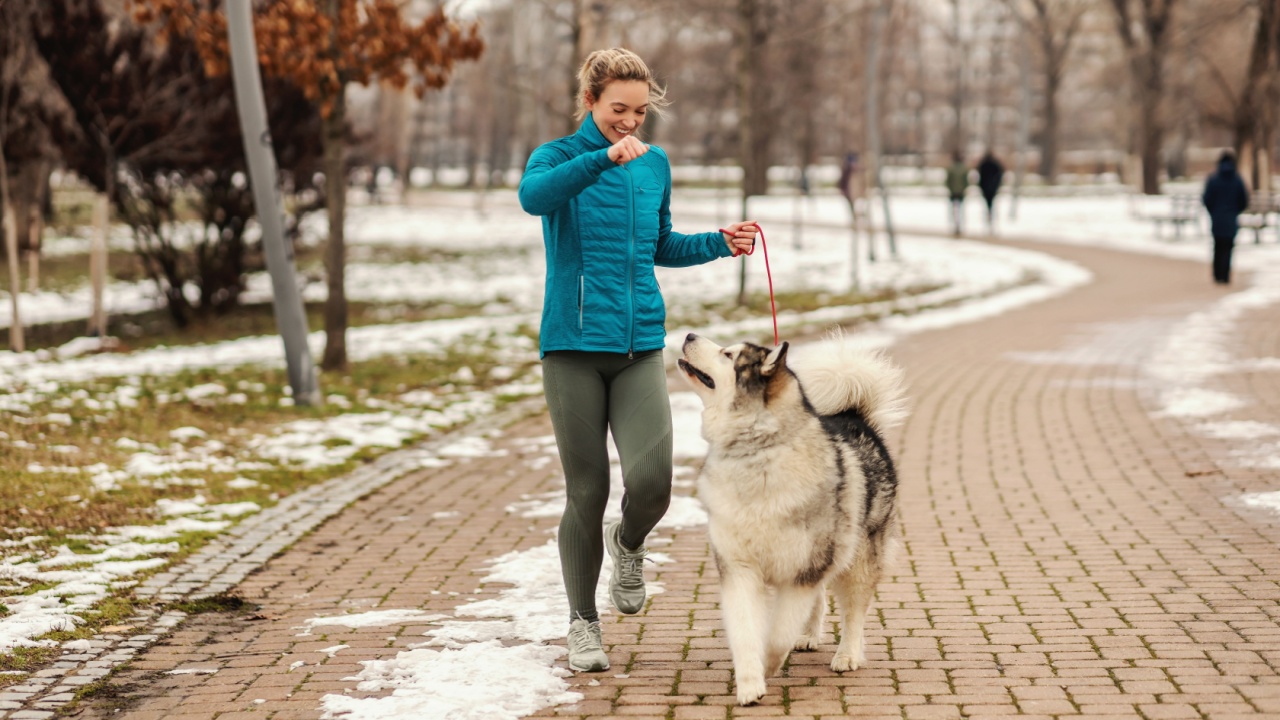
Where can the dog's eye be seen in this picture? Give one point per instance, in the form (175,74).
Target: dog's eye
(729,355)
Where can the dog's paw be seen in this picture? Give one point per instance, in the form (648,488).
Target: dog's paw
(750,690)
(844,663)
(806,643)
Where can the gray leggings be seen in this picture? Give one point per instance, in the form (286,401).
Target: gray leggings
(589,393)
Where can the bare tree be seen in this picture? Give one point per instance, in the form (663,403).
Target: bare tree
(1255,115)
(1053,25)
(1146,28)
(959,54)
(15,108)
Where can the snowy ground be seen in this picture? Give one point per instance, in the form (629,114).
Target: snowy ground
(497,262)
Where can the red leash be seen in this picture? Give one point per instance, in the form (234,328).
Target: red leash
(768,273)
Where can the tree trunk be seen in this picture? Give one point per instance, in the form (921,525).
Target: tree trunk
(1251,113)
(1052,84)
(27,199)
(9,230)
(753,137)
(335,256)
(752,142)
(98,265)
(1150,125)
(1024,124)
(958,56)
(33,256)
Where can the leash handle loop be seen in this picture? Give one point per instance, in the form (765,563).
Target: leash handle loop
(768,273)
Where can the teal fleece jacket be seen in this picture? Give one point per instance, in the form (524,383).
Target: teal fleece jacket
(605,227)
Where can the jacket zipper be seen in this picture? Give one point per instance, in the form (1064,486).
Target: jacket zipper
(582,300)
(631,266)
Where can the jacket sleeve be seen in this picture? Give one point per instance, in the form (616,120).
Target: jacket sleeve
(680,250)
(1244,196)
(550,180)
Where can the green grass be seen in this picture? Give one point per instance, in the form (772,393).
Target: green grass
(156,328)
(39,500)
(24,660)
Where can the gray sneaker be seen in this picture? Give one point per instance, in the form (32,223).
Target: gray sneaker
(586,649)
(626,587)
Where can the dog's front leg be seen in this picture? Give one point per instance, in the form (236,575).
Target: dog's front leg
(743,606)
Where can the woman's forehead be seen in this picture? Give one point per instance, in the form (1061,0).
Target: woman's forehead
(634,93)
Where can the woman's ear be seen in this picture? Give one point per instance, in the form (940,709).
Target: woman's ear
(588,100)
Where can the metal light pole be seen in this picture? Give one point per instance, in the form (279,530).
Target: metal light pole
(286,300)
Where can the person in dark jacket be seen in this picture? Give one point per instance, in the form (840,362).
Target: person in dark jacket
(605,200)
(957,184)
(1225,197)
(990,173)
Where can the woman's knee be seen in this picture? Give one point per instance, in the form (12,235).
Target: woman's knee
(650,493)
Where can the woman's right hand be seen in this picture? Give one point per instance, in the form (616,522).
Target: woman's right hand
(627,149)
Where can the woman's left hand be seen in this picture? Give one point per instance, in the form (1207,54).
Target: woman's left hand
(741,237)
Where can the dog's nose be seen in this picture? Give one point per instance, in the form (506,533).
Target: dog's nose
(690,337)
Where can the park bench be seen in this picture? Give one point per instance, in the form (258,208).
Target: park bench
(1261,214)
(1182,210)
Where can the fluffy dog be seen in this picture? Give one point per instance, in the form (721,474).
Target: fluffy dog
(800,490)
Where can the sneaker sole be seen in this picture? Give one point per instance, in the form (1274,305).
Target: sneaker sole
(583,669)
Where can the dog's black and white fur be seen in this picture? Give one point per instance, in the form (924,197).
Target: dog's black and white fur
(800,490)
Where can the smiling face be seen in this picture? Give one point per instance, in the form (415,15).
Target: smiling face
(620,110)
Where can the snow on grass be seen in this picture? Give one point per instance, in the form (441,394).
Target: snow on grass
(69,583)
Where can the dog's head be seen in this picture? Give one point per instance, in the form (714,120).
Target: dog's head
(729,377)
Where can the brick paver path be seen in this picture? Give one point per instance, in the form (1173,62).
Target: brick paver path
(1068,554)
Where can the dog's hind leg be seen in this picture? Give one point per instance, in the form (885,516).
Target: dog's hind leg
(853,590)
(792,615)
(743,604)
(811,636)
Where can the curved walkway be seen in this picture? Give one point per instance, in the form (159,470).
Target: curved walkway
(1069,552)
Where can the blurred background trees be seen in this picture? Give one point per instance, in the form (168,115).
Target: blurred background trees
(130,96)
(1146,91)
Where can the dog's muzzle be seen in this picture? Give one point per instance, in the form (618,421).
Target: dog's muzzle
(696,374)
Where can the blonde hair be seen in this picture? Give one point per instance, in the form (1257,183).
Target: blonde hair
(604,66)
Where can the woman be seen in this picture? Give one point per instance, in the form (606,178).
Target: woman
(604,197)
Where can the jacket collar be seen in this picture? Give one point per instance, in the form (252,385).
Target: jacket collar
(590,134)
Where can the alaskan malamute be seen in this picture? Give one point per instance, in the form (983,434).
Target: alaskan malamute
(800,490)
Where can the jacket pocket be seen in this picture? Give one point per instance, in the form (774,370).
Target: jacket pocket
(648,202)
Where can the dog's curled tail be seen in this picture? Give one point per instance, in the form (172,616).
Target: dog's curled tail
(838,375)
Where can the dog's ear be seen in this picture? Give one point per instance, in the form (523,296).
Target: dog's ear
(776,359)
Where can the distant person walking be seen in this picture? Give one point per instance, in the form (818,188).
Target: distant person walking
(957,184)
(853,186)
(1225,197)
(990,173)
(605,200)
